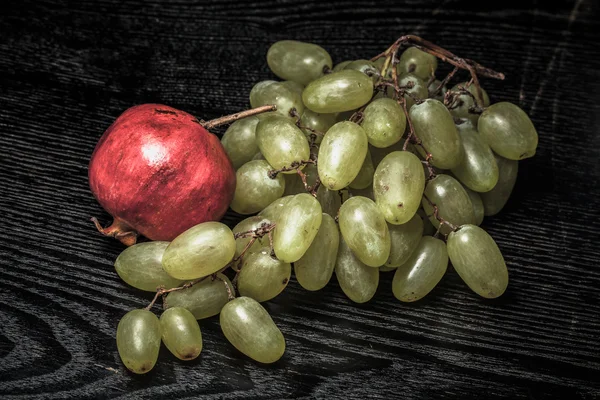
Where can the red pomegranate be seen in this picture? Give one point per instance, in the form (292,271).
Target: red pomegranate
(158,172)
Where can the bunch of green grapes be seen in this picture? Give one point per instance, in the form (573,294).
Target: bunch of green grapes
(365,167)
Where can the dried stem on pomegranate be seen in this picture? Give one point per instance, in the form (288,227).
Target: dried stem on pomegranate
(234,117)
(436,214)
(118,230)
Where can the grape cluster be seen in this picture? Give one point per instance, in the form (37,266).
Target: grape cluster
(366,167)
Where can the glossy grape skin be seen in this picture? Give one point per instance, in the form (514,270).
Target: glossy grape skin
(434,125)
(422,271)
(341,154)
(495,199)
(358,281)
(281,142)
(337,92)
(318,122)
(138,340)
(250,224)
(340,66)
(364,178)
(464,102)
(384,122)
(404,240)
(418,90)
(478,209)
(478,260)
(314,269)
(140,266)
(453,202)
(200,251)
(263,277)
(508,131)
(283,96)
(273,210)
(478,169)
(433,87)
(398,186)
(181,333)
(365,231)
(239,141)
(417,62)
(204,299)
(367,67)
(298,61)
(330,200)
(296,227)
(254,189)
(251,330)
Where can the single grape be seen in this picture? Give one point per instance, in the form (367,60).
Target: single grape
(418,62)
(254,189)
(181,333)
(508,131)
(415,86)
(398,186)
(298,61)
(263,277)
(478,209)
(422,272)
(138,340)
(478,260)
(273,210)
(296,227)
(463,102)
(358,281)
(339,91)
(140,266)
(200,251)
(340,66)
(258,156)
(435,127)
(314,269)
(283,96)
(366,67)
(404,240)
(281,142)
(250,224)
(384,122)
(341,155)
(239,141)
(364,178)
(330,200)
(452,201)
(365,231)
(205,299)
(251,330)
(318,122)
(495,199)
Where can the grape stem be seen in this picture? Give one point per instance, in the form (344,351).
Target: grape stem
(436,214)
(444,81)
(208,125)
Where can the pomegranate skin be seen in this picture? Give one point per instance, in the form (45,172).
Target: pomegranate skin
(158,172)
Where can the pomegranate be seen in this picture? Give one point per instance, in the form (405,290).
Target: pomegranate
(158,172)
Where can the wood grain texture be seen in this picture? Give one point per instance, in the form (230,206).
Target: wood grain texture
(68,69)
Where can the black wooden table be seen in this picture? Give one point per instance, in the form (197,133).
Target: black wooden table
(68,69)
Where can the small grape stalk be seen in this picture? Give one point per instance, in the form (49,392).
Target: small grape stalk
(360,168)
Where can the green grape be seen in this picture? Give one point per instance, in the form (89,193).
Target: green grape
(434,125)
(462,104)
(283,96)
(418,89)
(281,142)
(478,210)
(239,141)
(452,201)
(364,179)
(341,66)
(314,269)
(205,299)
(141,267)
(404,240)
(263,277)
(385,268)
(251,330)
(294,86)
(378,154)
(418,62)
(422,272)
(298,61)
(200,251)
(495,199)
(341,155)
(273,210)
(181,333)
(508,131)
(138,340)
(398,186)
(330,200)
(254,189)
(365,231)
(384,122)
(358,281)
(250,224)
(428,228)
(478,260)
(366,67)
(478,170)
(318,122)
(433,87)
(339,91)
(296,227)
(294,184)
